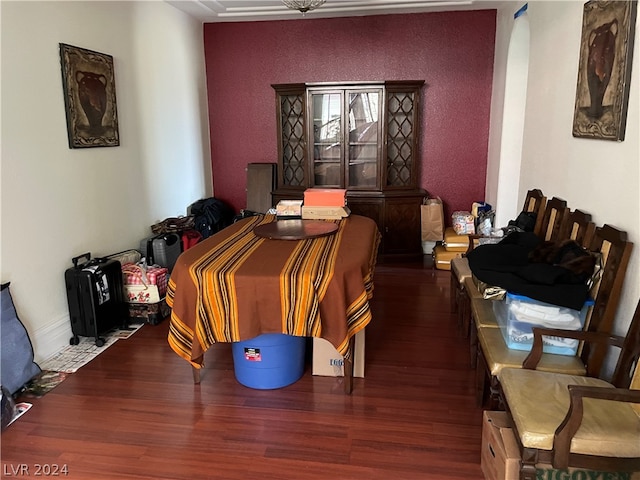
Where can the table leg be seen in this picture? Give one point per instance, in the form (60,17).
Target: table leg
(196,371)
(348,367)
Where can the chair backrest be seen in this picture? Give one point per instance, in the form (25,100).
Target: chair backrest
(577,225)
(535,202)
(615,250)
(635,385)
(552,218)
(627,372)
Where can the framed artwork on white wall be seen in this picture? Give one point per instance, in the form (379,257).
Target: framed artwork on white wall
(604,71)
(89,89)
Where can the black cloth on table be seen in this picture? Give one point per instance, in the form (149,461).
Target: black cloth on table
(506,264)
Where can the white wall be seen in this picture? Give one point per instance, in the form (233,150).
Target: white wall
(172,107)
(598,176)
(508,104)
(504,24)
(57,202)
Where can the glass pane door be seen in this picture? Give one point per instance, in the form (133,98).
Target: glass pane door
(293,145)
(327,138)
(400,138)
(364,138)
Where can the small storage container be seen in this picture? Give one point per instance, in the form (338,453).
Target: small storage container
(269,361)
(518,314)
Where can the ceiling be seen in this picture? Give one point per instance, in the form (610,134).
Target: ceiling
(257,10)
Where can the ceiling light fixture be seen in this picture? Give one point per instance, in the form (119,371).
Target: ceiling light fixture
(303,5)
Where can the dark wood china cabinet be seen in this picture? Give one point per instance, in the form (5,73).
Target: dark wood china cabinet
(361,136)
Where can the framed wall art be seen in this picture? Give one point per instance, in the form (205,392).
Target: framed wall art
(89,89)
(604,72)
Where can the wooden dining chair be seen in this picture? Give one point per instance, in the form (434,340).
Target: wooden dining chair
(534,202)
(553,215)
(552,219)
(475,312)
(577,421)
(577,225)
(493,355)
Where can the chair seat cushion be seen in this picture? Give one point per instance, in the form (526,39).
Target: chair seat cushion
(499,356)
(539,401)
(471,288)
(460,268)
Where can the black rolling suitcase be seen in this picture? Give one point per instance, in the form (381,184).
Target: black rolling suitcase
(95,297)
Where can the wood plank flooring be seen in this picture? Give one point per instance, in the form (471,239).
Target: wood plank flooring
(134,412)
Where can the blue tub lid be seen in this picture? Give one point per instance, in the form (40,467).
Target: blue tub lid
(589,302)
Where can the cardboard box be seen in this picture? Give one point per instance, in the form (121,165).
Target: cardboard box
(500,455)
(329,363)
(289,208)
(325,213)
(325,197)
(547,472)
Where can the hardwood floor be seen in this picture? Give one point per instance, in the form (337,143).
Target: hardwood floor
(134,412)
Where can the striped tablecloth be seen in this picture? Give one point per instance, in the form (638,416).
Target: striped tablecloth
(235,286)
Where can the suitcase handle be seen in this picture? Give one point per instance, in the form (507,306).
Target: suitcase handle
(149,252)
(84,255)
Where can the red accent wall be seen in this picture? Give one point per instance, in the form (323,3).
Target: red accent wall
(451,51)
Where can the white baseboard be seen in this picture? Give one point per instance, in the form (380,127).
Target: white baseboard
(50,339)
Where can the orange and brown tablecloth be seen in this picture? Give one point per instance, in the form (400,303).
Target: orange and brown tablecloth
(235,286)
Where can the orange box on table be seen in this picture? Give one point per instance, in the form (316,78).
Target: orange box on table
(325,197)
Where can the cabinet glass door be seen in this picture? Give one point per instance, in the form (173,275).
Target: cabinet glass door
(327,138)
(292,140)
(364,138)
(401,137)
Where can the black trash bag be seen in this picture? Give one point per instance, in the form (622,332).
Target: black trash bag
(245,214)
(211,215)
(520,265)
(524,222)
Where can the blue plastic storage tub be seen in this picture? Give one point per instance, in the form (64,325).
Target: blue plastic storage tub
(269,361)
(517,315)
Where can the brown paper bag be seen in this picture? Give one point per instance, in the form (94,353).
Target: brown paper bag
(432,220)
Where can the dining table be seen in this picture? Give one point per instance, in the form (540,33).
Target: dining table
(260,275)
